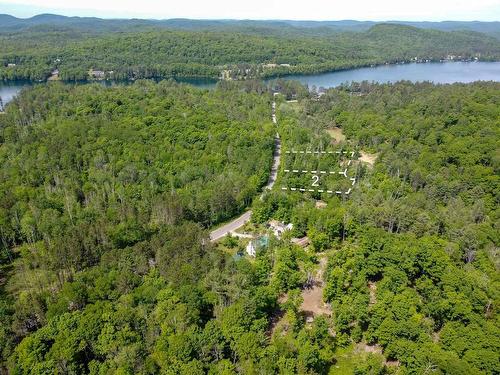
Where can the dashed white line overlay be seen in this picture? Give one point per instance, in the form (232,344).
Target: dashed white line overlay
(319,152)
(318,190)
(311,171)
(344,172)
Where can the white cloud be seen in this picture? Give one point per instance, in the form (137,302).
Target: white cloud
(268,9)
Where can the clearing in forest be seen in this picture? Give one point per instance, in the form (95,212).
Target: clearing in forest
(337,134)
(367,158)
(312,295)
(314,170)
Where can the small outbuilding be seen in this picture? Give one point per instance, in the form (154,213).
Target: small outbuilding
(98,74)
(278,228)
(256,245)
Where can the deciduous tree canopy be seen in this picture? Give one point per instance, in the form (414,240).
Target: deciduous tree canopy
(106,193)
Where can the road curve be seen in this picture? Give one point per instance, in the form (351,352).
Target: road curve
(219,233)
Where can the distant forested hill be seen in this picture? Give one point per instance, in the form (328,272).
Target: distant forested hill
(92,24)
(37,52)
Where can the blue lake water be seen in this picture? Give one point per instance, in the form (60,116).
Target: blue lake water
(448,72)
(9,90)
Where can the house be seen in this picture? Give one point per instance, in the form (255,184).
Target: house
(99,74)
(11,65)
(279,228)
(257,244)
(54,75)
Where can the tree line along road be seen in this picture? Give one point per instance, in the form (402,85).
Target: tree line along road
(219,233)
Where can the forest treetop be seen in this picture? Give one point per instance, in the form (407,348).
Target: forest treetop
(105,193)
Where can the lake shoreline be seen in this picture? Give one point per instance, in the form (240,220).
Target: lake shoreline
(375,65)
(269,77)
(442,72)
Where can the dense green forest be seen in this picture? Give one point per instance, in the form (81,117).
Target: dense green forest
(106,194)
(34,54)
(100,170)
(414,265)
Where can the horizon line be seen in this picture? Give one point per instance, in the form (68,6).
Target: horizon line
(242,19)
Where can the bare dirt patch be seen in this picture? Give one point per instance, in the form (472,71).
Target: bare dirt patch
(312,295)
(337,134)
(368,158)
(283,298)
(313,304)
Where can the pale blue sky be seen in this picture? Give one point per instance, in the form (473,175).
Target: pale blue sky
(378,10)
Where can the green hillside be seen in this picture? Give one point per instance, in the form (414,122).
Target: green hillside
(35,54)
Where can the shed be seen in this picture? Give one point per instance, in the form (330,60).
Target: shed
(279,227)
(257,244)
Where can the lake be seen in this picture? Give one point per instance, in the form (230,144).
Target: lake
(448,72)
(9,90)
